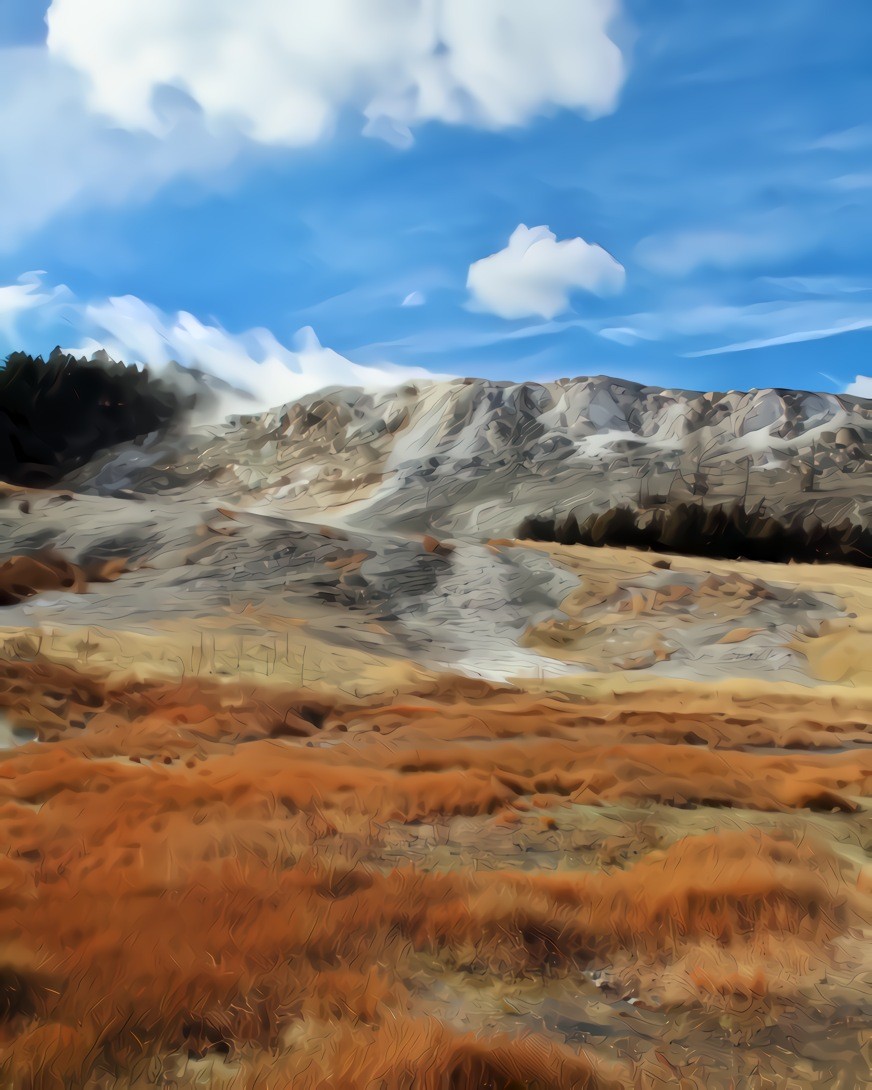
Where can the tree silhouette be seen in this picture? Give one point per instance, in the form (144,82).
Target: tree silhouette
(58,413)
(729,532)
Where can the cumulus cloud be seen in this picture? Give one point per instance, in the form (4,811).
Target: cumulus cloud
(282,72)
(535,274)
(125,97)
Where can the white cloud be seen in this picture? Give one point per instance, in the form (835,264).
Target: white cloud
(58,154)
(860,387)
(27,294)
(818,285)
(856,138)
(253,361)
(850,183)
(281,71)
(761,240)
(758,325)
(127,96)
(626,335)
(795,337)
(263,371)
(535,274)
(414,299)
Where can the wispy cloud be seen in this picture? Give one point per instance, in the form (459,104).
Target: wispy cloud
(59,155)
(851,183)
(757,241)
(817,285)
(855,138)
(786,338)
(764,325)
(254,362)
(27,294)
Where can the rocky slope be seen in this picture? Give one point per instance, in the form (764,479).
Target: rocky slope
(474,457)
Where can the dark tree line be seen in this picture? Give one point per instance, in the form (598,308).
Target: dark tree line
(729,532)
(56,414)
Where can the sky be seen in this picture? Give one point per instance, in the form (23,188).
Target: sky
(286,194)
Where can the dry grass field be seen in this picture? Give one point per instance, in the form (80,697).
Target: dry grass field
(231,875)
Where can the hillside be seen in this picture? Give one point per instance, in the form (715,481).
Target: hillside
(317,773)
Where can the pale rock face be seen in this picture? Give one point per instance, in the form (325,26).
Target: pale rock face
(475,458)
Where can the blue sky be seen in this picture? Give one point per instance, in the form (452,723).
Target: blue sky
(720,154)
